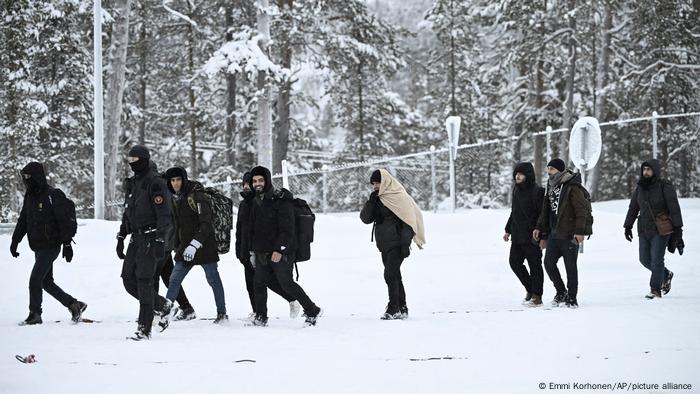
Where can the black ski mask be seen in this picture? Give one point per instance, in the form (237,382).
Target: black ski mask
(140,166)
(34,177)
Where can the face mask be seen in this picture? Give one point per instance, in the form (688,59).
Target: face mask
(139,166)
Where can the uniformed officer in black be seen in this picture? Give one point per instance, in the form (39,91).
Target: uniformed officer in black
(147,217)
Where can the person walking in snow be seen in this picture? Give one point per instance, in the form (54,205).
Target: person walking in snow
(660,225)
(397,220)
(194,239)
(272,236)
(526,206)
(563,223)
(243,253)
(148,219)
(48,223)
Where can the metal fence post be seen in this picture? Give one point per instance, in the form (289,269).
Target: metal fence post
(433,180)
(324,187)
(654,136)
(549,143)
(285,175)
(99,183)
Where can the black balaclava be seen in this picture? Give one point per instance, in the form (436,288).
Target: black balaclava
(141,166)
(37,177)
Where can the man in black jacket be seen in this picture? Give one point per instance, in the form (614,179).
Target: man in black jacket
(526,207)
(243,253)
(393,238)
(46,220)
(272,245)
(654,200)
(147,218)
(194,238)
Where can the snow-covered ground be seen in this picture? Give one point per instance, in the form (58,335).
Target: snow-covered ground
(497,345)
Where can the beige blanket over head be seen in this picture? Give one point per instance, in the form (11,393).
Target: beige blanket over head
(393,195)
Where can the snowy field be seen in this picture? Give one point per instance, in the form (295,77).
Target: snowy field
(496,345)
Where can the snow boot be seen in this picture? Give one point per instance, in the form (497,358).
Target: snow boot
(186,314)
(535,301)
(167,314)
(258,321)
(76,310)
(559,299)
(221,318)
(653,294)
(33,318)
(403,311)
(311,319)
(528,297)
(294,309)
(140,334)
(571,302)
(667,283)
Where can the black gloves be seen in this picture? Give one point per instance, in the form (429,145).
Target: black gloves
(120,247)
(13,249)
(67,252)
(374,197)
(676,241)
(628,234)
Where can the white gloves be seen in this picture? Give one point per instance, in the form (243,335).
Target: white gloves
(190,250)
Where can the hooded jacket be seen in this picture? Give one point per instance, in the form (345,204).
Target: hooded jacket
(193,219)
(650,198)
(45,213)
(146,204)
(564,209)
(528,198)
(243,223)
(271,217)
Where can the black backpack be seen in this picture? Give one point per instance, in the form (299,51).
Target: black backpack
(588,229)
(70,222)
(304,220)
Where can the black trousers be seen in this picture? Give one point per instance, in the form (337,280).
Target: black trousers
(165,269)
(42,279)
(567,249)
(265,269)
(138,271)
(519,252)
(274,285)
(392,260)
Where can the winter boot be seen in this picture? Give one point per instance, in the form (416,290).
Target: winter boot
(140,334)
(76,310)
(312,318)
(653,294)
(528,297)
(258,321)
(667,283)
(403,311)
(186,314)
(167,314)
(294,309)
(535,301)
(33,318)
(559,299)
(221,318)
(571,302)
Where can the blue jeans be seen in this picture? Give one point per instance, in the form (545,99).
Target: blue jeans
(651,255)
(212,273)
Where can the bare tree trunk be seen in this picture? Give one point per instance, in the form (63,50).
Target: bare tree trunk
(570,79)
(536,103)
(361,109)
(283,100)
(231,145)
(143,61)
(115,93)
(602,68)
(194,170)
(264,144)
